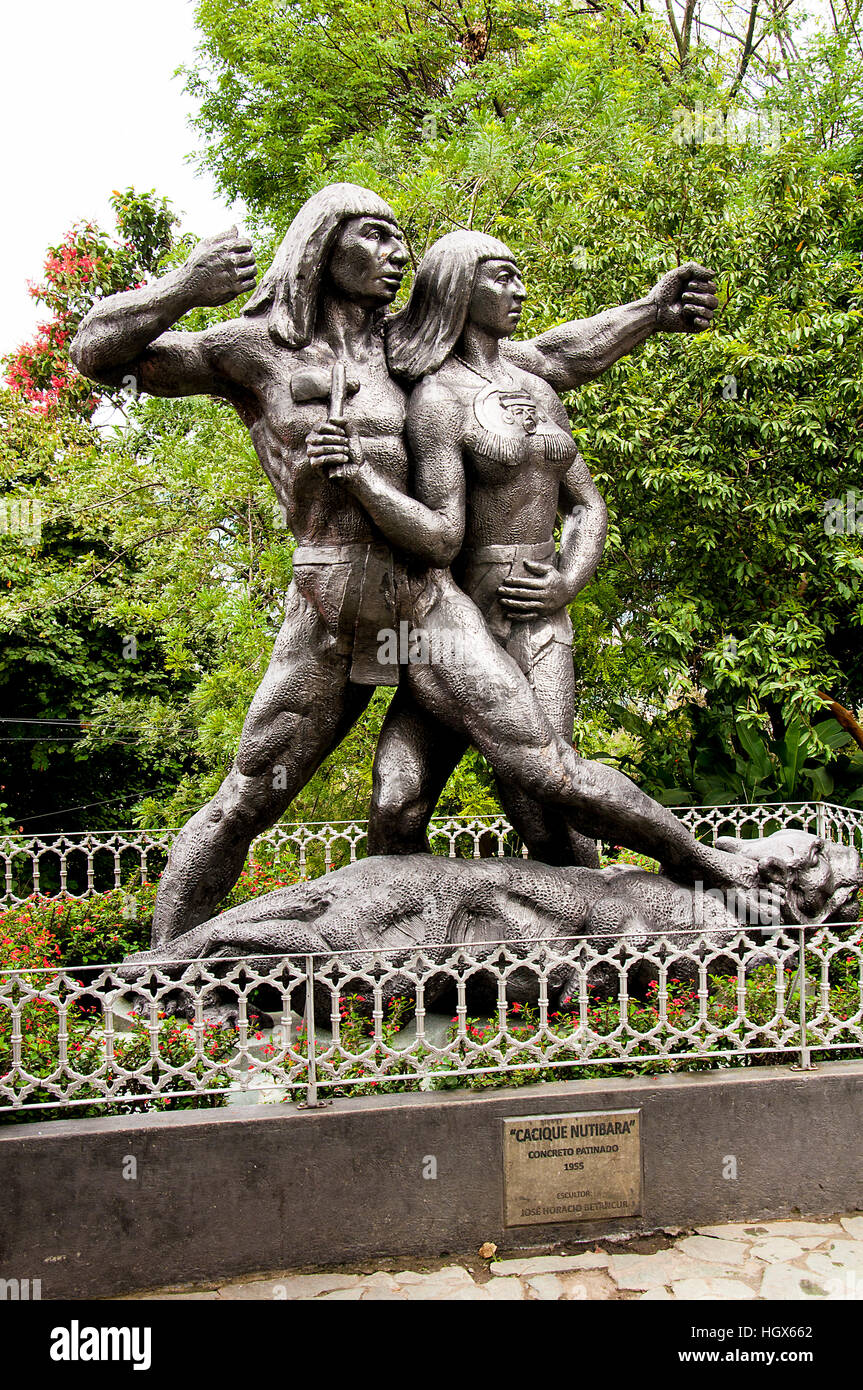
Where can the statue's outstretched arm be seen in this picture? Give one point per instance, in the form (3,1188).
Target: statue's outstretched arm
(430,525)
(683,301)
(544,588)
(125,335)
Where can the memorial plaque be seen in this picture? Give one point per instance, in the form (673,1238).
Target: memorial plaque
(573,1167)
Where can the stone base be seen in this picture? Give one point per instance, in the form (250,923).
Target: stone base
(239,1190)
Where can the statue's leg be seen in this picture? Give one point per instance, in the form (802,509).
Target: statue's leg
(303,708)
(413,761)
(546,830)
(482,694)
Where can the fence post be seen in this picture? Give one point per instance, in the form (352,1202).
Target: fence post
(311,1101)
(805,1063)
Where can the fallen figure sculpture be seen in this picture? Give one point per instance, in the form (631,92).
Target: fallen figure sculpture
(398,906)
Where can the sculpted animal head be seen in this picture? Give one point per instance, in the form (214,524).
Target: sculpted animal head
(823,879)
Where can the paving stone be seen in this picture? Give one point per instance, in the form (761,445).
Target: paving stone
(381,1281)
(379,1295)
(786,1282)
(713,1248)
(840,1255)
(776,1250)
(342,1295)
(809,1242)
(846,1252)
(452,1275)
(750,1230)
(712,1289)
(546,1287)
(505,1290)
(291,1286)
(444,1292)
(853,1225)
(408,1276)
(589,1287)
(656,1296)
(647,1271)
(457,1273)
(550,1264)
(839,1281)
(822,1229)
(442,1288)
(441,1283)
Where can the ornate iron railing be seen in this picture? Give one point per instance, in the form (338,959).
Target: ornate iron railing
(82,863)
(71,1039)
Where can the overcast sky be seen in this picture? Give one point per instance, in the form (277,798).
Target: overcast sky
(88,104)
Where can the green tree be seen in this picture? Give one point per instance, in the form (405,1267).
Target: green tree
(604,147)
(721,634)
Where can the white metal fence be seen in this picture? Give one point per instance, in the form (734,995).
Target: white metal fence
(80,864)
(348,1023)
(363,1022)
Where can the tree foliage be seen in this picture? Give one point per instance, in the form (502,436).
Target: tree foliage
(722,633)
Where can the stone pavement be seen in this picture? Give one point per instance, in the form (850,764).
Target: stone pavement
(777,1260)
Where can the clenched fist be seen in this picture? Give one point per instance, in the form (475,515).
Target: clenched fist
(685,299)
(220,268)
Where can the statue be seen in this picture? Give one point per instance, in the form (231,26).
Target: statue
(425,904)
(312,366)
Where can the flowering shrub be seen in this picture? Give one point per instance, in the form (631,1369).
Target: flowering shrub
(67,934)
(102,929)
(176,1046)
(106,927)
(84,266)
(618,854)
(26,944)
(43,938)
(559,1042)
(260,878)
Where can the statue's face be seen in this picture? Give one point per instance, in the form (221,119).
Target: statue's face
(497,297)
(368,261)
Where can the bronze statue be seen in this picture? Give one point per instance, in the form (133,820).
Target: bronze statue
(312,366)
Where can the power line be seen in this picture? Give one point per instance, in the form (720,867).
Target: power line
(87,805)
(73,738)
(83,724)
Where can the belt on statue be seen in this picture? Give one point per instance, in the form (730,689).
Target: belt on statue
(503,554)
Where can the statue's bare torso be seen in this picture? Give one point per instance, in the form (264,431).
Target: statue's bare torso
(509,502)
(256,376)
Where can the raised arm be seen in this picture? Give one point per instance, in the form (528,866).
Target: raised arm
(125,335)
(546,589)
(683,301)
(429,526)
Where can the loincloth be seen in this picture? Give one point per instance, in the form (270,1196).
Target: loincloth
(361,591)
(482,571)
